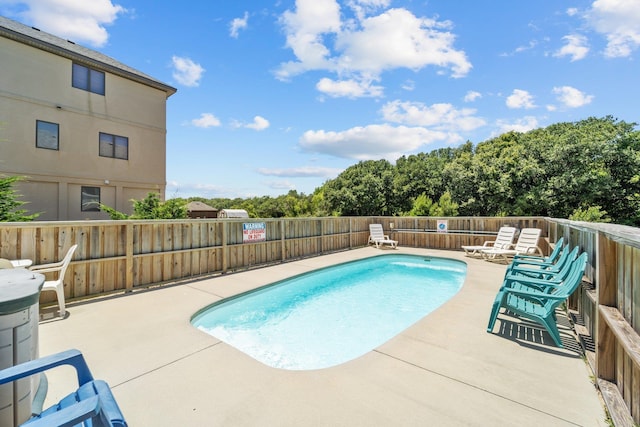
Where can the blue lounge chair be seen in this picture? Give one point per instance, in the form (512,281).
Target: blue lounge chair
(547,271)
(539,305)
(536,260)
(91,405)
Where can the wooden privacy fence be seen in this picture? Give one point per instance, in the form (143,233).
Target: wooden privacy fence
(121,256)
(124,255)
(608,307)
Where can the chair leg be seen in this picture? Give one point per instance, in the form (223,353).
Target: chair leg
(495,309)
(60,294)
(551,327)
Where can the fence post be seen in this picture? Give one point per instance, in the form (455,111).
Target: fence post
(129,260)
(225,248)
(283,249)
(607,276)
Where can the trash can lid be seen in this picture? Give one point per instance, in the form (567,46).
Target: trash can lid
(19,289)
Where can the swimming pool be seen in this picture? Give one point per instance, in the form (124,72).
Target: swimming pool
(329,316)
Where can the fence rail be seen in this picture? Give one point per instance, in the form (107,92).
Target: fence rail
(121,256)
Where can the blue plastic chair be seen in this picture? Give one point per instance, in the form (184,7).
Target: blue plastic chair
(91,405)
(553,271)
(539,305)
(536,260)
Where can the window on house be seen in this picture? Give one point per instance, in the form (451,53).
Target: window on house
(47,135)
(88,79)
(114,146)
(90,199)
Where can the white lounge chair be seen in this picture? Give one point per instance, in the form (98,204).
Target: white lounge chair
(503,240)
(377,236)
(527,244)
(57,284)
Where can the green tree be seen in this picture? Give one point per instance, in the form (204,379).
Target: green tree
(151,207)
(9,204)
(363,189)
(590,214)
(445,206)
(424,206)
(421,173)
(421,206)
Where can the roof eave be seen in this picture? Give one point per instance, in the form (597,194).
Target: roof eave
(82,59)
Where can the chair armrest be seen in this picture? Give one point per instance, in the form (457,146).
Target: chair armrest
(533,249)
(530,266)
(489,244)
(510,278)
(506,247)
(520,268)
(534,294)
(530,258)
(26,369)
(71,415)
(43,268)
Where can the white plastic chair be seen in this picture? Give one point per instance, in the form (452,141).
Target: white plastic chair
(527,244)
(58,283)
(377,236)
(504,239)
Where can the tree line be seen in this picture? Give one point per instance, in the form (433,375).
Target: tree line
(586,170)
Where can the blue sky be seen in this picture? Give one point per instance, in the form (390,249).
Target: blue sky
(281,94)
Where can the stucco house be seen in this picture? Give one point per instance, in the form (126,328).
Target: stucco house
(84,128)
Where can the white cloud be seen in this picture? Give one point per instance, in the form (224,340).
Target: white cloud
(441,117)
(364,7)
(576,47)
(520,99)
(472,95)
(259,123)
(348,88)
(524,124)
(571,97)
(206,120)
(572,11)
(399,39)
(186,71)
(177,189)
(302,172)
(409,85)
(369,142)
(79,21)
(619,22)
(280,185)
(238,24)
(305,29)
(360,49)
(531,45)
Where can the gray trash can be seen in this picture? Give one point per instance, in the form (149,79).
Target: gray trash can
(19,315)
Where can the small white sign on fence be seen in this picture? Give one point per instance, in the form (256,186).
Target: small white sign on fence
(254,232)
(443,225)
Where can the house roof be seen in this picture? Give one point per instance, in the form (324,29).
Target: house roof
(199,206)
(48,42)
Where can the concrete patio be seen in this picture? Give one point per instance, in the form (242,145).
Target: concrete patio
(445,370)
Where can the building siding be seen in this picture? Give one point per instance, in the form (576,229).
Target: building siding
(35,84)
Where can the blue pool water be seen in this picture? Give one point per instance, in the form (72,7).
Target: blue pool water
(329,316)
